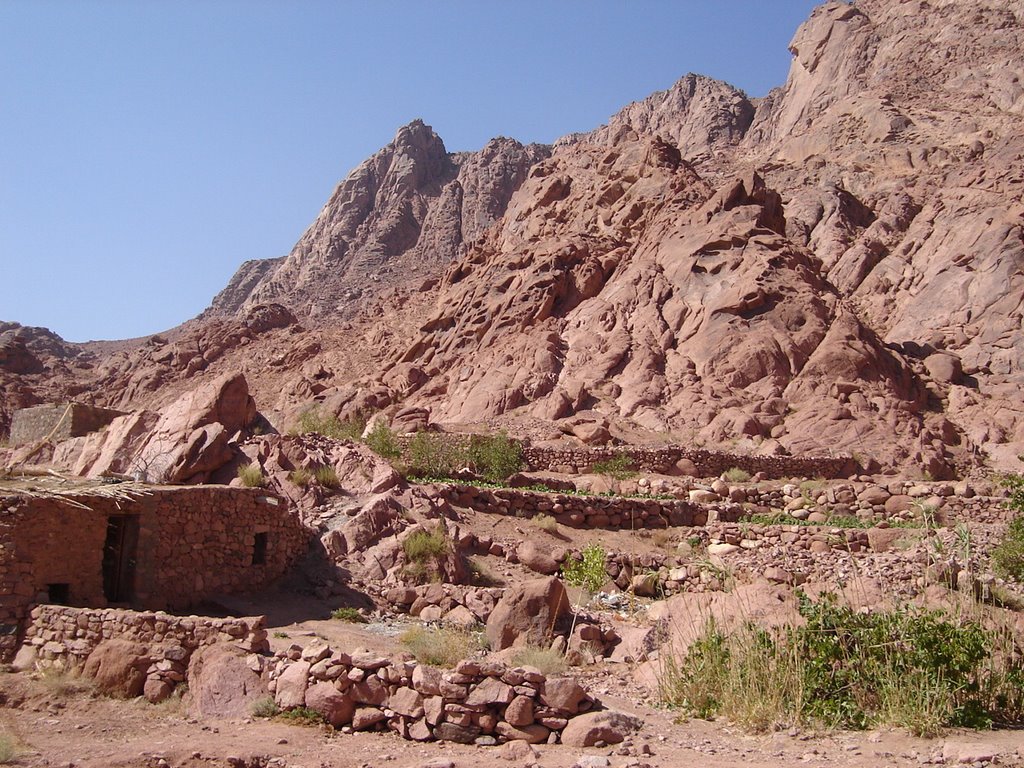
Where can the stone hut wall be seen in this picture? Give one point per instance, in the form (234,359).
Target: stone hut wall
(193,542)
(62,420)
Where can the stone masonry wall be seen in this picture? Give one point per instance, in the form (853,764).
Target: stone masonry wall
(704,463)
(591,511)
(193,542)
(63,420)
(478,702)
(63,637)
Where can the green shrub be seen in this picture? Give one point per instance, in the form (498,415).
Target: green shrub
(251,476)
(914,669)
(302,716)
(619,466)
(311,421)
(421,546)
(440,647)
(383,441)
(425,553)
(1008,555)
(349,614)
(495,457)
(587,573)
(264,707)
(432,455)
(736,475)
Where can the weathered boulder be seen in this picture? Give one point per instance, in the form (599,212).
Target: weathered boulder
(291,686)
(607,725)
(221,683)
(536,558)
(336,707)
(119,667)
(528,613)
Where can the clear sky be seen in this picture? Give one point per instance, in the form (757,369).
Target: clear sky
(147,148)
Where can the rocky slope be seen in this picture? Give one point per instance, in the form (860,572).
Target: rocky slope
(836,266)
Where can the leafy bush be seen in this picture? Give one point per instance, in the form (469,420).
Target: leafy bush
(432,455)
(913,669)
(440,647)
(495,457)
(736,475)
(383,441)
(302,716)
(1008,555)
(587,573)
(349,614)
(251,476)
(619,466)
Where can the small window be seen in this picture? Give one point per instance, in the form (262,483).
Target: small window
(259,549)
(58,594)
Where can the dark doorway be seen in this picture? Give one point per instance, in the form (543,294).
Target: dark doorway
(119,558)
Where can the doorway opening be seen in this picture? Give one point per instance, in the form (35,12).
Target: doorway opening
(119,558)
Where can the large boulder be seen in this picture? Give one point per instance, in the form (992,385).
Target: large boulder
(119,667)
(608,726)
(221,684)
(184,443)
(190,439)
(336,707)
(528,613)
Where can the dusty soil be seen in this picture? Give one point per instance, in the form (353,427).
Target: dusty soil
(62,722)
(61,725)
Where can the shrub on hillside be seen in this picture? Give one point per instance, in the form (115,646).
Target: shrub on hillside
(251,476)
(1008,555)
(915,669)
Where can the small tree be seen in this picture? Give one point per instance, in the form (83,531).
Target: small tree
(587,574)
(1008,556)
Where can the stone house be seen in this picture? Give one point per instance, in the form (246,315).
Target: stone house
(142,547)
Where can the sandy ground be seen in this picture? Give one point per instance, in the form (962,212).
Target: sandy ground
(57,723)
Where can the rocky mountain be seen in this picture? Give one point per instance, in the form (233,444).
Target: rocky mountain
(836,266)
(397,218)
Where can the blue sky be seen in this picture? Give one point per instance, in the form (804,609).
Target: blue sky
(148,148)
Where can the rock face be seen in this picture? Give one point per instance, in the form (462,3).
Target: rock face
(397,218)
(834,267)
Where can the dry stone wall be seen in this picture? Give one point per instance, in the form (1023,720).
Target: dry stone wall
(192,542)
(701,463)
(578,511)
(481,702)
(64,637)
